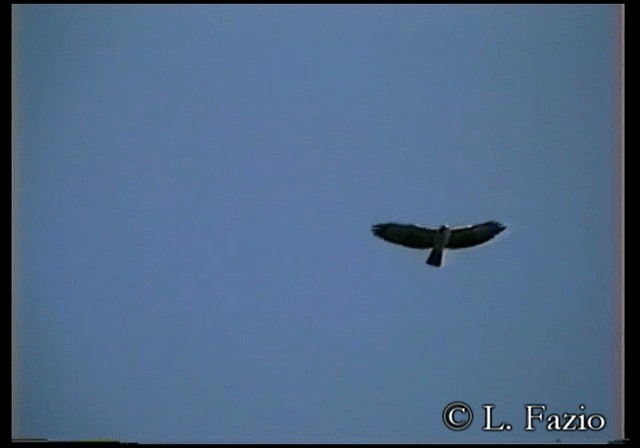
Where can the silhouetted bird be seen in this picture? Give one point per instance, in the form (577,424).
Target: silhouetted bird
(410,235)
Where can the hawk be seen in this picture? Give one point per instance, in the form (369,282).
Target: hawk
(444,237)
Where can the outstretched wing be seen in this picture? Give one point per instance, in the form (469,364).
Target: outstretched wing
(407,235)
(470,236)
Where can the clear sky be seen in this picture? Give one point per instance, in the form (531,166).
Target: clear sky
(196,187)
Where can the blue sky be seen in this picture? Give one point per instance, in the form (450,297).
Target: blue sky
(196,186)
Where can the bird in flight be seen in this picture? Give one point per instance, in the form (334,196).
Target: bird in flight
(444,237)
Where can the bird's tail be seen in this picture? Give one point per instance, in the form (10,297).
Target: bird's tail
(435,257)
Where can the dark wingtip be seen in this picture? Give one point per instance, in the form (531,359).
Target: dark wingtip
(499,226)
(378,229)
